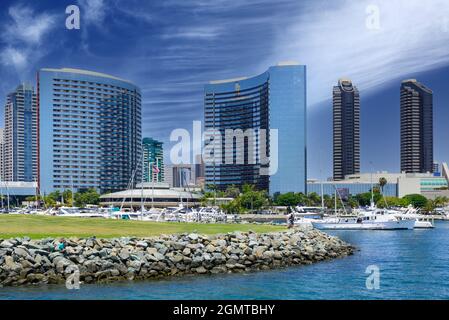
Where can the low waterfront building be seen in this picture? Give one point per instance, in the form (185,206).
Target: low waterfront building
(161,196)
(16,191)
(398,184)
(347,187)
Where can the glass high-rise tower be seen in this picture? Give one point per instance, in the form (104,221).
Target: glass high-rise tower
(89,131)
(273,102)
(153,155)
(416,127)
(346,119)
(20,135)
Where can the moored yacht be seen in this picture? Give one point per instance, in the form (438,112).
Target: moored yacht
(421,221)
(80,212)
(365,221)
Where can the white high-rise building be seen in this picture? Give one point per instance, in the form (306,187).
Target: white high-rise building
(2,143)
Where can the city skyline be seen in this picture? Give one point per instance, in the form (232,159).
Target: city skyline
(173,61)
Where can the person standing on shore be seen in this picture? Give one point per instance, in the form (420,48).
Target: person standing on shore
(291,220)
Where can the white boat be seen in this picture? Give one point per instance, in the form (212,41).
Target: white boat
(305,222)
(74,212)
(422,224)
(421,221)
(365,221)
(309,212)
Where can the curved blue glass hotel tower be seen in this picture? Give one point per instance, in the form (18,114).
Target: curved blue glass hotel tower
(89,130)
(276,99)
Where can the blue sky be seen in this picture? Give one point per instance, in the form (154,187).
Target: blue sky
(172,48)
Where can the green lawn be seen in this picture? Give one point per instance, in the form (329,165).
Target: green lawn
(38,227)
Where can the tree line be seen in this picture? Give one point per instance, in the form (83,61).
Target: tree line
(81,198)
(248,199)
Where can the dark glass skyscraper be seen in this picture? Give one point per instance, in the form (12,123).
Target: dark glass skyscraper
(416,127)
(274,100)
(346,105)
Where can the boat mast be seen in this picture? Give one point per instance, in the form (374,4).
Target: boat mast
(335,200)
(141,190)
(7,195)
(152,184)
(1,194)
(372,186)
(322,194)
(35,195)
(73,201)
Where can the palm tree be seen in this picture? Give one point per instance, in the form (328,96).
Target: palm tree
(314,199)
(382,183)
(441,201)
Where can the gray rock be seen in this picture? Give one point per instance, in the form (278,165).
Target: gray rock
(177,258)
(141,244)
(6,244)
(41,252)
(151,251)
(193,236)
(21,252)
(201,270)
(124,254)
(10,265)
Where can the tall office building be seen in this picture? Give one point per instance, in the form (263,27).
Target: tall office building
(20,135)
(153,155)
(416,127)
(276,99)
(179,175)
(199,170)
(89,131)
(2,145)
(436,168)
(346,119)
(182,175)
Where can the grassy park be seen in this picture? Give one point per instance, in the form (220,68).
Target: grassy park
(39,227)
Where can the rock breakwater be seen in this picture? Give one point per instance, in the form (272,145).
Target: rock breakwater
(52,261)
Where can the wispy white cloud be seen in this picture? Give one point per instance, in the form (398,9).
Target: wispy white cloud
(333,41)
(27,26)
(202,32)
(13,57)
(23,35)
(93,14)
(93,11)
